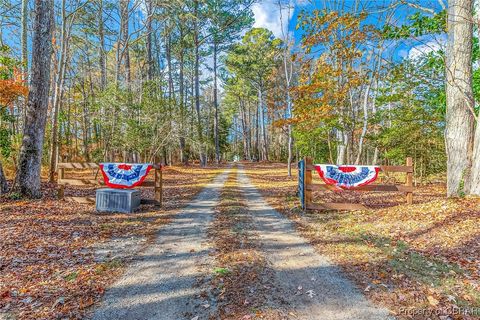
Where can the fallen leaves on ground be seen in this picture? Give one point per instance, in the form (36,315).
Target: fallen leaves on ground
(48,266)
(422,261)
(243,279)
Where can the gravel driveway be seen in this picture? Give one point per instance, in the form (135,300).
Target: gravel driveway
(163,282)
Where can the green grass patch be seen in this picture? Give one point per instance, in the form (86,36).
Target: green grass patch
(108,265)
(107,226)
(14,196)
(222,271)
(427,270)
(71,276)
(423,269)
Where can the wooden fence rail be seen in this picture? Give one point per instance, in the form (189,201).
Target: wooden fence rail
(97,181)
(306,187)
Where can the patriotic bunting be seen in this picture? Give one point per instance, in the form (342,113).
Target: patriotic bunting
(347,177)
(123,175)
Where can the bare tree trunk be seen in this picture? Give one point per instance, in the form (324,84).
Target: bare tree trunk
(3,181)
(58,94)
(92,99)
(30,158)
(249,125)
(168,54)
(24,44)
(329,144)
(158,59)
(122,45)
(118,58)
(87,96)
(290,149)
(85,126)
(459,117)
(215,103)
(262,126)
(341,147)
(102,57)
(181,80)
(365,125)
(475,171)
(128,72)
(289,114)
(203,159)
(169,66)
(245,131)
(349,139)
(150,64)
(257,135)
(24,36)
(374,110)
(375,157)
(288,70)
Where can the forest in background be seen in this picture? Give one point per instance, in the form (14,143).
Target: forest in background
(192,80)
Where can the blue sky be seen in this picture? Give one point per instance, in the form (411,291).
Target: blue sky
(267,15)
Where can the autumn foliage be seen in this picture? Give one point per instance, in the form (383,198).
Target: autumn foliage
(330,70)
(10,90)
(12,84)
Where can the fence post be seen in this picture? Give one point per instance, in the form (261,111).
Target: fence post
(158,185)
(301,183)
(409,181)
(308,182)
(61,187)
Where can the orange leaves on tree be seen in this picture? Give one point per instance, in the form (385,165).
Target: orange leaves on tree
(326,80)
(11,89)
(314,97)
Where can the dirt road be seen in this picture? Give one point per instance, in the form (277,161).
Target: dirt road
(309,284)
(162,283)
(165,282)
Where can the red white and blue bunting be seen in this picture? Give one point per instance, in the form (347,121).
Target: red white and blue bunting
(347,177)
(123,175)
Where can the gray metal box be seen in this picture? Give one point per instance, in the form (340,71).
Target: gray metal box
(117,200)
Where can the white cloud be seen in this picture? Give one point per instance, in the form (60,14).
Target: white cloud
(267,15)
(425,48)
(403,53)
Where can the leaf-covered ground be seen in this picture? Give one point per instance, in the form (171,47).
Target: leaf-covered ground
(421,261)
(242,279)
(48,265)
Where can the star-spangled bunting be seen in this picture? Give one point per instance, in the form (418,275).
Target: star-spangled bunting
(123,175)
(348,176)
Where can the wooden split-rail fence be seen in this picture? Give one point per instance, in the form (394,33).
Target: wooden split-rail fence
(306,186)
(96,180)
